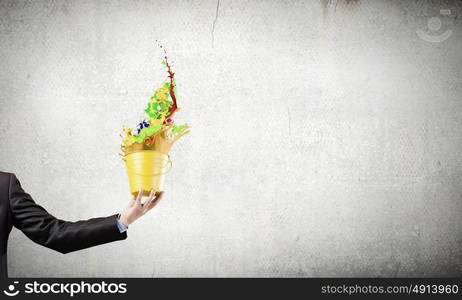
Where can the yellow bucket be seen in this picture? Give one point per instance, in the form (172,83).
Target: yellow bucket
(146,170)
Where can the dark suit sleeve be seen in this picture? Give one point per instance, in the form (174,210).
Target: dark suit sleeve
(63,236)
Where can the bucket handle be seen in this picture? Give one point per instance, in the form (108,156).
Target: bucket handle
(169,163)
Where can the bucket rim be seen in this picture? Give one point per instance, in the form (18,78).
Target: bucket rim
(141,151)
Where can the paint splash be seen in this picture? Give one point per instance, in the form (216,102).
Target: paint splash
(157,131)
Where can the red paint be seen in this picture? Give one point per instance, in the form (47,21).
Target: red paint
(171,75)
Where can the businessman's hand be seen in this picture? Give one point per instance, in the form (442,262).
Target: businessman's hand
(136,209)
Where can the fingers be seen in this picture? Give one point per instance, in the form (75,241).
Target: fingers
(154,201)
(138,197)
(150,198)
(148,202)
(158,197)
(132,201)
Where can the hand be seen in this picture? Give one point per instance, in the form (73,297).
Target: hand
(136,209)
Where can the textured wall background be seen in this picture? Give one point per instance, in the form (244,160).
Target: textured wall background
(326,134)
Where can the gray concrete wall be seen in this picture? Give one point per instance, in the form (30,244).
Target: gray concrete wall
(326,134)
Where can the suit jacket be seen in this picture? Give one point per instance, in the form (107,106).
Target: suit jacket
(18,209)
